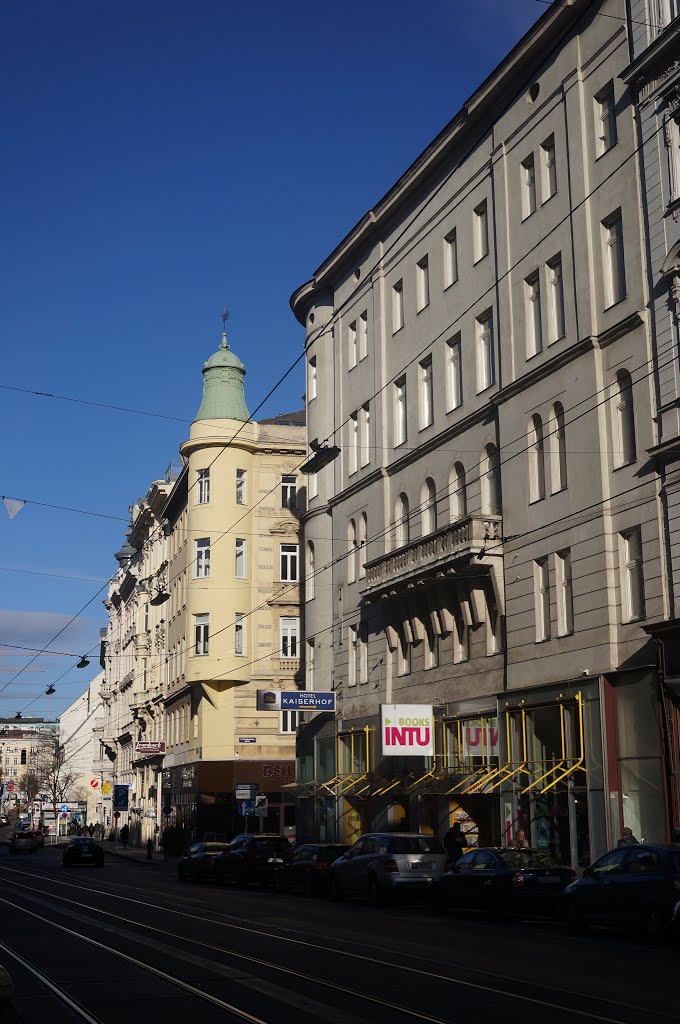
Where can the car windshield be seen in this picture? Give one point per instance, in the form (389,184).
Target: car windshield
(82,841)
(215,847)
(527,859)
(415,844)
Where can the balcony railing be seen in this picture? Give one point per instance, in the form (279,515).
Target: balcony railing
(289,665)
(466,537)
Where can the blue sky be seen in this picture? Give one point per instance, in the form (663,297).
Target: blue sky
(162,159)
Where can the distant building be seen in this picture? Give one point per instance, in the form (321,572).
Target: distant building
(78,734)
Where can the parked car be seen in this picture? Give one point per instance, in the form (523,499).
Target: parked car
(83,850)
(252,858)
(381,865)
(309,869)
(632,887)
(22,840)
(503,881)
(198,863)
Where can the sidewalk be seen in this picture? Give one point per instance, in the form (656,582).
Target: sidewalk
(138,855)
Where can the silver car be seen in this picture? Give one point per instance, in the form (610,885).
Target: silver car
(381,865)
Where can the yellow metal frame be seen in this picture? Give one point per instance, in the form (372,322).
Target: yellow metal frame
(579,763)
(522,767)
(555,767)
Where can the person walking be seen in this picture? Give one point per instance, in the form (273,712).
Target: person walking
(124,835)
(627,838)
(149,849)
(90,829)
(455,843)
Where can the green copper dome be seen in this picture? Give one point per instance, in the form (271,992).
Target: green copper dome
(223,386)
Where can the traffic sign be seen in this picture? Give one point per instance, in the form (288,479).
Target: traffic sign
(116,814)
(246,790)
(63,808)
(246,808)
(261,806)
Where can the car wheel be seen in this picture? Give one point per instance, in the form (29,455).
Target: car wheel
(654,926)
(575,919)
(337,893)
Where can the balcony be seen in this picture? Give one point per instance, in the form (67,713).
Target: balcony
(437,552)
(289,666)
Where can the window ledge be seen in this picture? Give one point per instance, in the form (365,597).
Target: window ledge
(624,465)
(545,640)
(612,305)
(480,258)
(422,309)
(528,216)
(398,330)
(535,501)
(450,284)
(608,150)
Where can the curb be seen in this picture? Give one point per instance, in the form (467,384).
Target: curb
(136,860)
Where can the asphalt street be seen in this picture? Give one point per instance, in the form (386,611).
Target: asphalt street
(130,943)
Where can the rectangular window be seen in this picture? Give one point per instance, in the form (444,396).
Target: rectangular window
(363,335)
(239,633)
(614,262)
(353,429)
(532,312)
(363,655)
(632,576)
(528,187)
(203,486)
(310,665)
(426,393)
(553,270)
(454,374)
(240,559)
(565,599)
(549,168)
(289,563)
(404,658)
(312,485)
(397,306)
(400,432)
(291,721)
(311,379)
(240,486)
(352,638)
(481,231)
(605,119)
(542,598)
(450,259)
(290,636)
(352,344)
(201,634)
(202,559)
(423,283)
(432,651)
(289,491)
(484,350)
(365,446)
(672,140)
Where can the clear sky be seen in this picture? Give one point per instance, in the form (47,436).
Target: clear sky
(160,160)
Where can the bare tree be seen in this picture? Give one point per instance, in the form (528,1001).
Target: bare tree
(29,783)
(54,772)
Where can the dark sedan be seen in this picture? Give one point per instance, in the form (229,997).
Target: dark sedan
(632,887)
(83,850)
(503,882)
(309,868)
(198,863)
(252,858)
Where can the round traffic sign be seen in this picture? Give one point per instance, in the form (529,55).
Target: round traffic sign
(94,783)
(116,814)
(167,810)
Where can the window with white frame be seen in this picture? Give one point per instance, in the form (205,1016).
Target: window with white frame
(309,572)
(614,262)
(290,636)
(484,350)
(494,630)
(312,485)
(201,634)
(352,344)
(553,273)
(291,721)
(203,486)
(289,491)
(605,119)
(363,335)
(532,312)
(311,682)
(240,558)
(363,654)
(404,657)
(239,633)
(491,481)
(454,374)
(624,420)
(450,258)
(429,507)
(431,650)
(400,432)
(397,306)
(401,519)
(536,455)
(457,494)
(311,379)
(632,575)
(351,551)
(528,186)
(558,449)
(202,559)
(240,487)
(352,645)
(481,231)
(542,598)
(363,537)
(289,563)
(353,442)
(671,135)
(426,392)
(548,168)
(422,283)
(365,435)
(565,597)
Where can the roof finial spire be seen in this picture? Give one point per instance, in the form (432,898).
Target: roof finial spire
(225,316)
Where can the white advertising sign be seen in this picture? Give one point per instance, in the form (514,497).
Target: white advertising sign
(480,738)
(407,730)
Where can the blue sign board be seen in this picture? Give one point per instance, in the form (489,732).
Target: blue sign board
(246,808)
(295,700)
(246,790)
(120,798)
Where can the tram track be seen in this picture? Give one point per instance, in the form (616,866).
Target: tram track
(57,991)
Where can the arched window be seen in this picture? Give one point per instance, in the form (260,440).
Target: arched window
(429,506)
(351,551)
(402,521)
(309,573)
(536,459)
(457,495)
(363,535)
(491,482)
(558,449)
(625,419)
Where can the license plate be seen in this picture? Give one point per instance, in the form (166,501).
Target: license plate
(275,860)
(422,865)
(548,880)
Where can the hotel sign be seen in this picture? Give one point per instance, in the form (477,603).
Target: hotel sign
(295,700)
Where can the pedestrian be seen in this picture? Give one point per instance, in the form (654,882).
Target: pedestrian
(627,838)
(675,836)
(149,848)
(90,829)
(98,831)
(455,843)
(124,835)
(519,841)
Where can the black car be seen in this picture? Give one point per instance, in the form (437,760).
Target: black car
(309,868)
(252,858)
(502,882)
(83,850)
(632,887)
(198,863)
